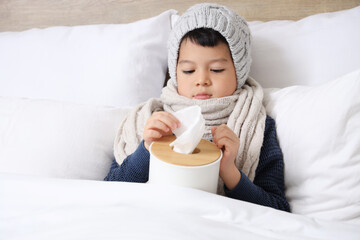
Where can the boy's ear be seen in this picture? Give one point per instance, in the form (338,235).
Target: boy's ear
(167,77)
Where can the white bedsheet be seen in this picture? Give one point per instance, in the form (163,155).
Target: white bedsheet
(45,208)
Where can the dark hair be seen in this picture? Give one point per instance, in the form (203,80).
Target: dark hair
(206,37)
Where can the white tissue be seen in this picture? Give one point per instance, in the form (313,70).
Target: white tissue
(191,130)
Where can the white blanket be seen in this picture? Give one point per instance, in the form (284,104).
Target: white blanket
(48,208)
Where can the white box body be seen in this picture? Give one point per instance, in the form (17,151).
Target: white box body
(204,177)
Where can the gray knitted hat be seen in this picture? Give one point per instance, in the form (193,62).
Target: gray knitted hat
(222,19)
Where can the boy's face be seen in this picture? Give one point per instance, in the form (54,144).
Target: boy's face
(205,72)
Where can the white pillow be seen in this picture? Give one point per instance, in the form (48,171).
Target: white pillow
(319,133)
(310,51)
(57,139)
(114,64)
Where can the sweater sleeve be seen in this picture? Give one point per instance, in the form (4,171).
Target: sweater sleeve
(268,188)
(135,168)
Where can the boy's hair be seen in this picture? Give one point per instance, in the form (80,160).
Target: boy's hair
(206,37)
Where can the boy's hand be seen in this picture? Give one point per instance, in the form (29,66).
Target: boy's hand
(227,140)
(158,125)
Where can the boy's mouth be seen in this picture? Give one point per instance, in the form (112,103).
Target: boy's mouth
(202,96)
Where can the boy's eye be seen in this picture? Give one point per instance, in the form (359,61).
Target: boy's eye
(217,70)
(189,71)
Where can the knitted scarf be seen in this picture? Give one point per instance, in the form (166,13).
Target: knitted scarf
(243,112)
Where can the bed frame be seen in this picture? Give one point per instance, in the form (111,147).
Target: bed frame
(18,15)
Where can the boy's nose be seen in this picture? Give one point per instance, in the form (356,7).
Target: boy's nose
(203,80)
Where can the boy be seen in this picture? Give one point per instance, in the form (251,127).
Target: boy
(209,63)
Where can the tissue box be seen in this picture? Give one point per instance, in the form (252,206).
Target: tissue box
(199,169)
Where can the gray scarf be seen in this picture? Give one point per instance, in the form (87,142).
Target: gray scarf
(243,112)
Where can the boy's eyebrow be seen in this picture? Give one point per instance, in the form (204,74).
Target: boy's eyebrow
(211,61)
(185,61)
(218,60)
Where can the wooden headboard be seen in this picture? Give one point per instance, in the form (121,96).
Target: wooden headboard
(17,15)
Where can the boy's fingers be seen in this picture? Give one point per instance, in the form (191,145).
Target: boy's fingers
(223,131)
(172,121)
(213,130)
(153,134)
(226,141)
(159,125)
(222,142)
(219,132)
(167,118)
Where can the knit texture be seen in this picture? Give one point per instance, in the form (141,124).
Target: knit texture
(222,19)
(267,189)
(243,113)
(135,168)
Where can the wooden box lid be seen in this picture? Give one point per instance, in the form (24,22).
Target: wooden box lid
(205,153)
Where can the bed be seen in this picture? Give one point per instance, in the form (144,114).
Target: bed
(71,70)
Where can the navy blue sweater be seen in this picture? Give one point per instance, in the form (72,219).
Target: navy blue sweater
(267,189)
